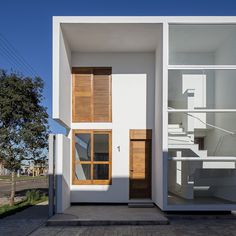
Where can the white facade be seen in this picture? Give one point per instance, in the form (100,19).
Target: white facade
(152,62)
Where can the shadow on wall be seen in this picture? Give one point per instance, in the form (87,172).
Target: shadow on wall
(118,192)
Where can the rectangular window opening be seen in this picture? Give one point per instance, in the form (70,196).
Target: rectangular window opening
(92,157)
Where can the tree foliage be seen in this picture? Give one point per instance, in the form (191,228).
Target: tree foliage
(23,120)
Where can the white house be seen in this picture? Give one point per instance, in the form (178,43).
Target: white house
(149,105)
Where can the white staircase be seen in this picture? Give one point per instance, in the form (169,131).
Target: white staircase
(192,172)
(177,135)
(179,140)
(183,151)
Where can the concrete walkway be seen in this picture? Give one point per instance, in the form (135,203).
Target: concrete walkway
(192,227)
(24,222)
(92,215)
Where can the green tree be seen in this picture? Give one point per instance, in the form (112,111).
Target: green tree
(23,122)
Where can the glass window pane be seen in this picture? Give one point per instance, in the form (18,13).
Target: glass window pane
(203,44)
(83,171)
(101,171)
(82,147)
(101,147)
(201,158)
(201,89)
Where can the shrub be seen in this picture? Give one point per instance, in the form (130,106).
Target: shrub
(32,195)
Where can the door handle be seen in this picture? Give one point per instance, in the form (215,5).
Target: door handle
(131,170)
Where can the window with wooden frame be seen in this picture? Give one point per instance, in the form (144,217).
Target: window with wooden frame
(91,94)
(92,158)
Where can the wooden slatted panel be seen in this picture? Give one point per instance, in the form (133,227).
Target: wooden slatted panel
(140,172)
(141,134)
(101,95)
(82,96)
(92,95)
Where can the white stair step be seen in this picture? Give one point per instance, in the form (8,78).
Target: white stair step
(179,140)
(173,126)
(177,130)
(179,146)
(176,134)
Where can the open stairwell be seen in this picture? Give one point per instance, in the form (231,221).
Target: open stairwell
(194,173)
(178,139)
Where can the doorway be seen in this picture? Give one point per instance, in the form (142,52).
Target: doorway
(140,164)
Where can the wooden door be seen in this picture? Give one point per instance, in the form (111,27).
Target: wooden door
(140,167)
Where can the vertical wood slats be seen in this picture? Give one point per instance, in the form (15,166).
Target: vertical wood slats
(140,134)
(140,163)
(91,100)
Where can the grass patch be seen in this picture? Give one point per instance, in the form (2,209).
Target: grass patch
(33,198)
(4,177)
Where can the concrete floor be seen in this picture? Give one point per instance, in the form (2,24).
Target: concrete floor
(108,215)
(176,200)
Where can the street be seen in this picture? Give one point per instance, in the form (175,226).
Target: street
(22,187)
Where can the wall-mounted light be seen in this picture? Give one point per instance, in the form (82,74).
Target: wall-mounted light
(118,148)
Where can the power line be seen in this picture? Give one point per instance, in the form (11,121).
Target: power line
(16,56)
(11,59)
(8,58)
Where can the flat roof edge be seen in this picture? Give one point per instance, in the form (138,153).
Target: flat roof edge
(146,19)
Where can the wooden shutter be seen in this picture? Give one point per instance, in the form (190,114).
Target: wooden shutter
(102,95)
(91,95)
(82,96)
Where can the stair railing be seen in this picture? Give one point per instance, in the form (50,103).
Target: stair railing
(207,124)
(221,138)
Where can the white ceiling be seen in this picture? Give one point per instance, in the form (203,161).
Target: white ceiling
(198,38)
(112,37)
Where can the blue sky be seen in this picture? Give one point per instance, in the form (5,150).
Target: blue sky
(27,25)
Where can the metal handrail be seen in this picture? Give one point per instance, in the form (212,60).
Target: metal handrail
(220,141)
(213,126)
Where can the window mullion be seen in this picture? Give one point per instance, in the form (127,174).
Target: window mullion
(92,97)
(92,153)
(110,154)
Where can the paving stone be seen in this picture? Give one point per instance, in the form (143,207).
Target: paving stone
(176,228)
(34,225)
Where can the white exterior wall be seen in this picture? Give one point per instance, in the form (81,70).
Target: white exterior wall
(61,78)
(120,194)
(62,172)
(133,91)
(157,163)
